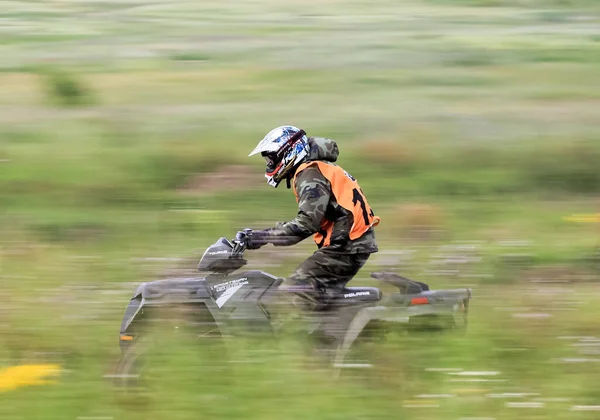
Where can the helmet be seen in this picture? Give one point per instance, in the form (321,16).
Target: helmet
(284,149)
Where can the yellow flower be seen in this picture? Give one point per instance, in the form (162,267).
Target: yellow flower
(17,376)
(583,218)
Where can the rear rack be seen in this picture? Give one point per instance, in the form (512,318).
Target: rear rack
(405,285)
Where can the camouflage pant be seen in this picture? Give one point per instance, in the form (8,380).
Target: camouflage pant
(326,273)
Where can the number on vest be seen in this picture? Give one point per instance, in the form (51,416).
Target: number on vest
(357,196)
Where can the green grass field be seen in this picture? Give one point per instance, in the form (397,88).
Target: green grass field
(472,126)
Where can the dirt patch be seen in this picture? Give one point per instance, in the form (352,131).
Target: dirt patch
(390,152)
(227,178)
(416,221)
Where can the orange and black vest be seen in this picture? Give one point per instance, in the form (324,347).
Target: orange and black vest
(348,195)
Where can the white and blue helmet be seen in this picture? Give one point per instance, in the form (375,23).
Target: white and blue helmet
(284,149)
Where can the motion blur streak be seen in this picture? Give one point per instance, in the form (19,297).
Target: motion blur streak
(471,127)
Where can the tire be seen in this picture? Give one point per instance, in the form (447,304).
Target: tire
(167,358)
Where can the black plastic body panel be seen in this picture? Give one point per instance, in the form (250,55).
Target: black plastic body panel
(232,301)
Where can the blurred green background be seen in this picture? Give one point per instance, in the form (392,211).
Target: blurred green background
(472,126)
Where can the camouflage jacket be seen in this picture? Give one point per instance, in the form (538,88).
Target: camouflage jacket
(316,202)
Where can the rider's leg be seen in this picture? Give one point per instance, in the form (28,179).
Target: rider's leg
(324,273)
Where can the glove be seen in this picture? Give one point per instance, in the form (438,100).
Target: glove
(257,239)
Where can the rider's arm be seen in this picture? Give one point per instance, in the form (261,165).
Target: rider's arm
(314,193)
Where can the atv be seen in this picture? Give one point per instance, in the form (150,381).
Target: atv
(221,303)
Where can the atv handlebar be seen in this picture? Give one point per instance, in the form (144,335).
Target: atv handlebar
(240,242)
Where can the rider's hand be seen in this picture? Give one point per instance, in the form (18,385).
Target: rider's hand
(257,239)
(242,234)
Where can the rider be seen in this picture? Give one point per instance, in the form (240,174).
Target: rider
(332,207)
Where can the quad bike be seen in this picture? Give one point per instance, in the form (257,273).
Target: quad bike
(222,304)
